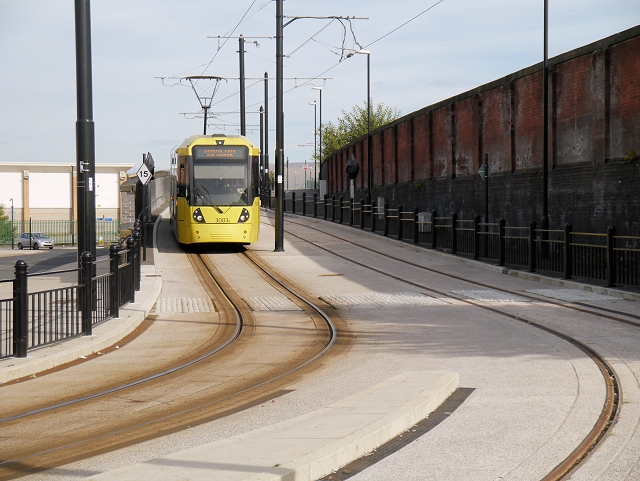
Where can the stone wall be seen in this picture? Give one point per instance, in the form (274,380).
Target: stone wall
(430,158)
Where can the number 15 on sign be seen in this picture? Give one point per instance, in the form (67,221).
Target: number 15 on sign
(144,174)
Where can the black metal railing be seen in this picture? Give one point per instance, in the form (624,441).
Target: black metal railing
(33,319)
(608,258)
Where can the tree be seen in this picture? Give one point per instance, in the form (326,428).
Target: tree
(5,227)
(353,125)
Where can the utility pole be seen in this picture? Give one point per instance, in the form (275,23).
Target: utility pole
(545,121)
(243,118)
(262,173)
(266,136)
(85,134)
(279,242)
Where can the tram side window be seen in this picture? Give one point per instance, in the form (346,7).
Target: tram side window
(255,177)
(183,176)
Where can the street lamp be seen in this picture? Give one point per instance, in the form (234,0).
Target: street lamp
(315,168)
(315,133)
(368,54)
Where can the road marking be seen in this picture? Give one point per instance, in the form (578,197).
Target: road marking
(380,299)
(490,295)
(178,305)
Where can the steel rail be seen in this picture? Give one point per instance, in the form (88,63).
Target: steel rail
(137,382)
(238,306)
(613,398)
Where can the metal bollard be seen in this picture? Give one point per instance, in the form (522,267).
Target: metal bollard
(114,284)
(568,256)
(351,202)
(611,261)
(501,242)
(20,310)
(434,214)
(476,237)
(532,246)
(130,260)
(315,205)
(136,259)
(454,233)
(85,262)
(324,209)
(385,219)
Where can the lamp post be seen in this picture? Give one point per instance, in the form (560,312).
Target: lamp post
(545,121)
(315,134)
(315,168)
(368,54)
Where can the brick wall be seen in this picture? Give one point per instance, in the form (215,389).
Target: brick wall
(430,158)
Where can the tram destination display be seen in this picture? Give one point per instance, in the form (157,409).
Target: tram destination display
(235,152)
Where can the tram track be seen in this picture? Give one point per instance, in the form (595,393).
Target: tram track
(165,401)
(613,398)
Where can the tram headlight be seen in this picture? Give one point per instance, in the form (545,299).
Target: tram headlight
(198,217)
(244,216)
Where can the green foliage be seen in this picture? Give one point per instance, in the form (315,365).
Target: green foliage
(5,227)
(353,125)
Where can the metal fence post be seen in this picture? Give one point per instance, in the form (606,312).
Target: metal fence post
(293,202)
(385,219)
(400,222)
(454,233)
(361,213)
(136,259)
(315,205)
(611,260)
(20,310)
(351,201)
(333,208)
(114,284)
(340,210)
(532,246)
(434,214)
(131,245)
(415,225)
(304,203)
(85,261)
(324,210)
(568,255)
(501,242)
(476,237)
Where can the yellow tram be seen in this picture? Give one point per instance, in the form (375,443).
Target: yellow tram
(215,196)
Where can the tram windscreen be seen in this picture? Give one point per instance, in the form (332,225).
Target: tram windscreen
(220,180)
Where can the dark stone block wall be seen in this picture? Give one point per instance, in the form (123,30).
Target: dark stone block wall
(430,158)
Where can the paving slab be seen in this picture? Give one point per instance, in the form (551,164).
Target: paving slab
(309,446)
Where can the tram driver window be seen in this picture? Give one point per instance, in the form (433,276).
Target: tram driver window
(220,184)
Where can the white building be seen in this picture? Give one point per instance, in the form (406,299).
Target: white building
(47,191)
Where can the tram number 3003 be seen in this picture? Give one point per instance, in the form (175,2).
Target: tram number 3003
(222,220)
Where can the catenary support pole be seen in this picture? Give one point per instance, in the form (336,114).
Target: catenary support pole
(266,137)
(279,241)
(243,113)
(85,136)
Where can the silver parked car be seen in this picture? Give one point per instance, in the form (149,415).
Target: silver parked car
(34,240)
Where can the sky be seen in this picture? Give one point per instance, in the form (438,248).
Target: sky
(141,49)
